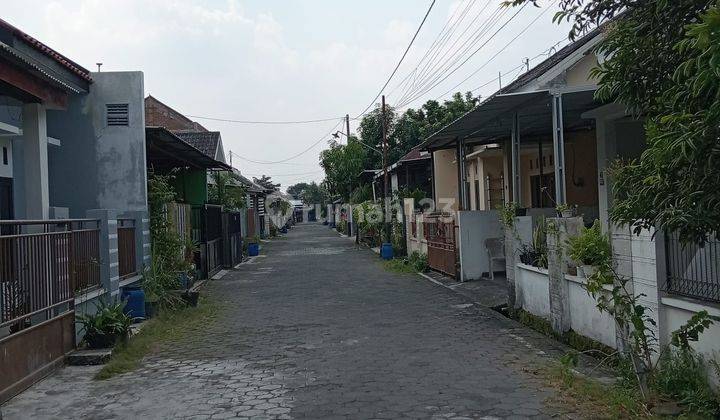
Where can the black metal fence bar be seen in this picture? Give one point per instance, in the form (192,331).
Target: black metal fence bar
(693,270)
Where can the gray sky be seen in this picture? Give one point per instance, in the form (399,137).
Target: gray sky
(278,60)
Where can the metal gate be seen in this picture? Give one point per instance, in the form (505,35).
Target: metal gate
(42,265)
(207,233)
(440,235)
(232,239)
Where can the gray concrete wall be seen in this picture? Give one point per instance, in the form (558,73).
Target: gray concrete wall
(100,166)
(474,228)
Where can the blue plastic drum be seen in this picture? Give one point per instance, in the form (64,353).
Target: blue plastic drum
(134,298)
(253,250)
(386,251)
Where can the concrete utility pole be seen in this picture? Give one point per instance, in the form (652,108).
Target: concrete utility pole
(384,161)
(347,126)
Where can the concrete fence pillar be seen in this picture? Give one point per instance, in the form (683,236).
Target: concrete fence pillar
(510,246)
(109,264)
(621,242)
(559,229)
(516,236)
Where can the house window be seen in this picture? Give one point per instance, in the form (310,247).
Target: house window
(5,156)
(117,114)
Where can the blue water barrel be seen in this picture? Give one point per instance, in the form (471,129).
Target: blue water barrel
(253,250)
(386,251)
(134,298)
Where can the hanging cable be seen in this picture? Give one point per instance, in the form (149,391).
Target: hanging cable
(295,155)
(442,65)
(519,34)
(468,58)
(399,62)
(263,122)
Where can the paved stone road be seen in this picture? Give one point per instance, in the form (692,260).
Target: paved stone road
(317,329)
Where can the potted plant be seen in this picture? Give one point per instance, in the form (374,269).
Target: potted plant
(107,326)
(565,210)
(591,249)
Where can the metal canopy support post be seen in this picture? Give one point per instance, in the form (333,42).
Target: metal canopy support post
(515,150)
(459,160)
(559,149)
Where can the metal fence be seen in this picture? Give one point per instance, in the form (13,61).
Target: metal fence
(126,248)
(693,270)
(42,264)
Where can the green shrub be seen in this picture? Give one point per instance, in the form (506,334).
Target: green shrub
(108,325)
(418,261)
(591,247)
(682,375)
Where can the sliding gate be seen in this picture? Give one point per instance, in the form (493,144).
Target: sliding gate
(440,235)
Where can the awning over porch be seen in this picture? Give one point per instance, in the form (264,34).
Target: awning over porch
(165,150)
(493,118)
(519,117)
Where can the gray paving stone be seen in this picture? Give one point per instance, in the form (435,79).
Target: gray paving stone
(317,329)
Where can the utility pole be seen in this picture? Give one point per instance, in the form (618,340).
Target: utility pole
(384,162)
(347,126)
(500,79)
(230,154)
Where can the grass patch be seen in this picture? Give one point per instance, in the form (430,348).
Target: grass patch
(589,398)
(167,327)
(414,263)
(399,265)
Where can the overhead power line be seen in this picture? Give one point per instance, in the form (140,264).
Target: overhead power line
(263,122)
(295,155)
(399,62)
(440,63)
(466,59)
(519,34)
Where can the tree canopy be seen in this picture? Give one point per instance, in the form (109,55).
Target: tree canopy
(296,190)
(343,163)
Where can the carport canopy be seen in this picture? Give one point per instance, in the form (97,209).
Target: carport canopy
(517,116)
(493,118)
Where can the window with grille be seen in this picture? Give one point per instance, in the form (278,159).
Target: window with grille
(117,114)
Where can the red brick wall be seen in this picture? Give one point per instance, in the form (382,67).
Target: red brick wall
(157,114)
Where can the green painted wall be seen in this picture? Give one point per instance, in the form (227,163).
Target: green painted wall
(191,186)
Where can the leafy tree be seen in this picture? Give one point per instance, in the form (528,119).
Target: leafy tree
(663,63)
(371,134)
(227,193)
(315,194)
(342,164)
(266,182)
(296,190)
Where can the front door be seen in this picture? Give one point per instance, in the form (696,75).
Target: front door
(6,199)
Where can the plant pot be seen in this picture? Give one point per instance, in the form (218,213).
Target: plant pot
(102,341)
(566,213)
(587,270)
